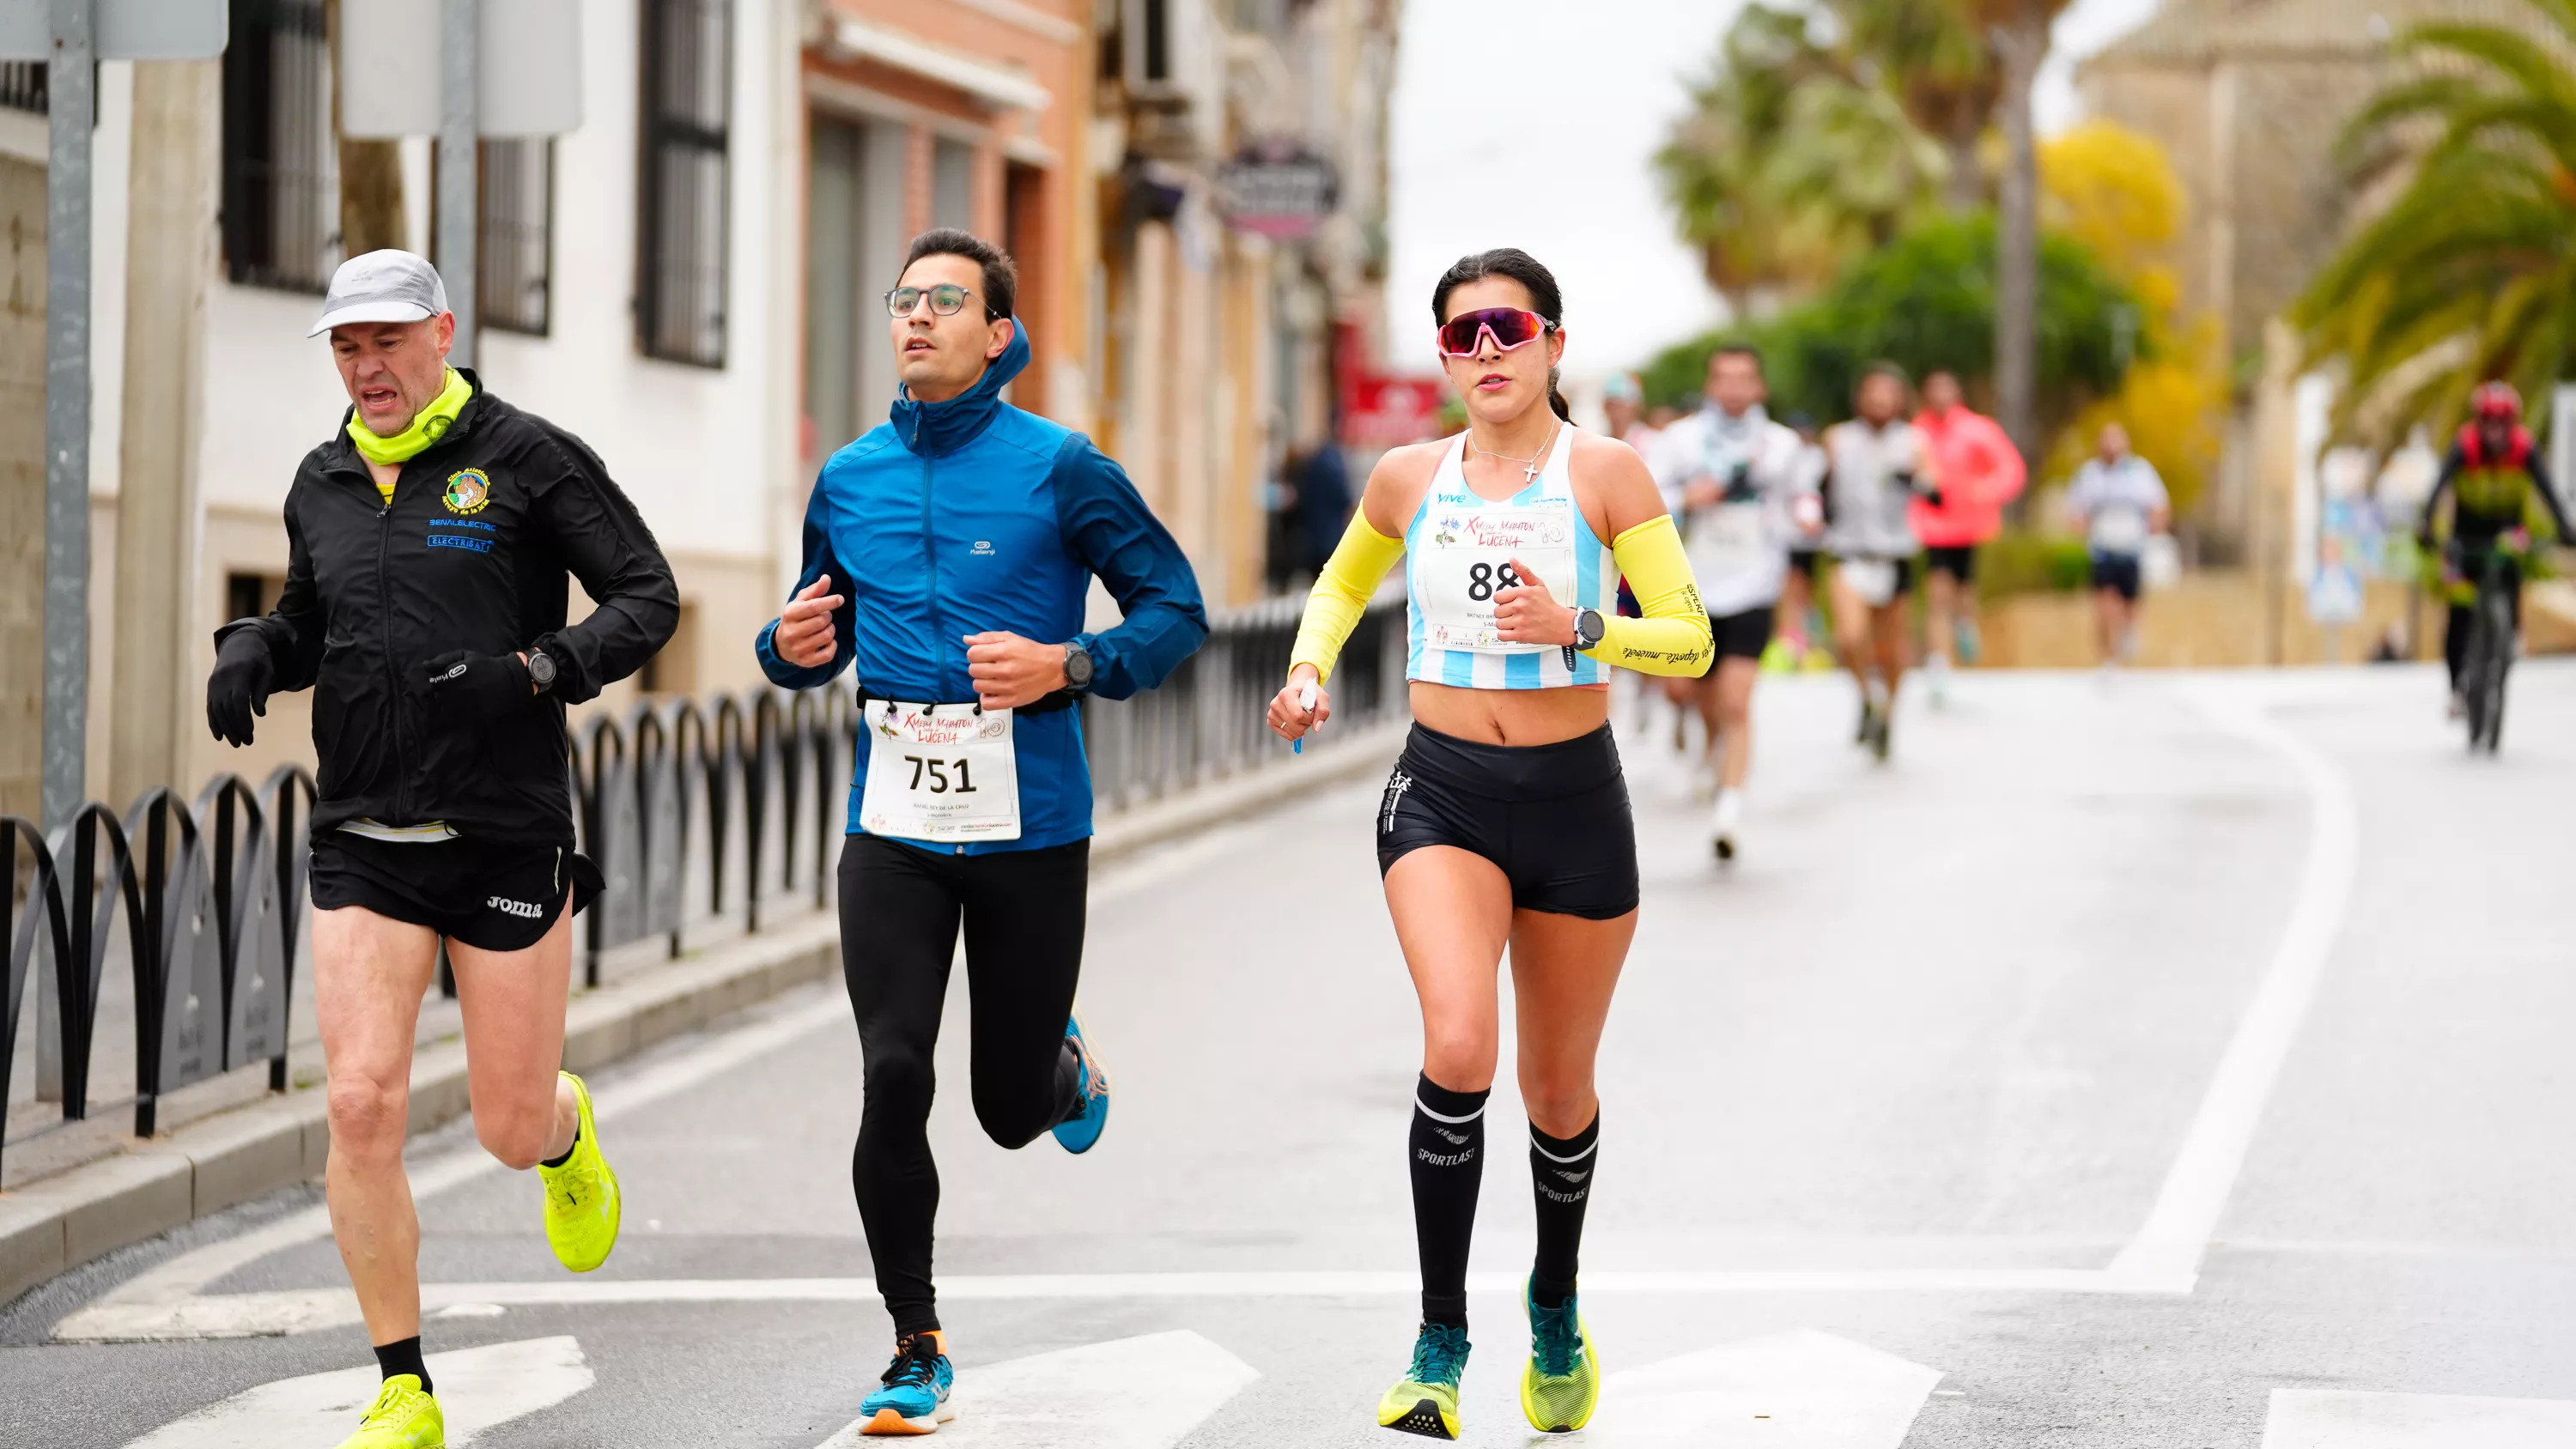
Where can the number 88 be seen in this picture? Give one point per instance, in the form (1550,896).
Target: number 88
(1483,579)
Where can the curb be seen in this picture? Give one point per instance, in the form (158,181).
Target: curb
(56,1224)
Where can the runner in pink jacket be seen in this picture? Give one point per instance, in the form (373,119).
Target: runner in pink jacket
(1980,471)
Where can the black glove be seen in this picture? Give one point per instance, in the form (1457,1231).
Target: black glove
(469,688)
(239,686)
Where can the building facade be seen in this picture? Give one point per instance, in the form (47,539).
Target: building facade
(691,281)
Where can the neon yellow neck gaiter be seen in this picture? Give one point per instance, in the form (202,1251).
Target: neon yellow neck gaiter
(427,427)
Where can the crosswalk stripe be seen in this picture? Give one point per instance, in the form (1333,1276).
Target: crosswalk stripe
(2343,1419)
(477,1389)
(1131,1393)
(1803,1389)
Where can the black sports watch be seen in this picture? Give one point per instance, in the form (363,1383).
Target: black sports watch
(1589,629)
(1077,667)
(541,671)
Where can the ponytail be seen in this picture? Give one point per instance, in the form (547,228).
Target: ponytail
(1555,399)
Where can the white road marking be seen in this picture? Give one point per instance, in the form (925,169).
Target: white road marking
(2338,1419)
(304,1310)
(2168,1249)
(477,1389)
(1133,1393)
(1799,1390)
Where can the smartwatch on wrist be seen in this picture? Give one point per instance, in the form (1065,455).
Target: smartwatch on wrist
(1077,668)
(1589,629)
(541,671)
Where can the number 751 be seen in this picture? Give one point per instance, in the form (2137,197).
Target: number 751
(938,773)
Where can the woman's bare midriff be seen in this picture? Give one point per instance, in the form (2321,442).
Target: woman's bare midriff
(1511,716)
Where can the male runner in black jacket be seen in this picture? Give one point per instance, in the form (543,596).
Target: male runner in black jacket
(427,547)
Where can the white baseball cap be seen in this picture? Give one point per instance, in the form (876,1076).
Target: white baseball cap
(382,286)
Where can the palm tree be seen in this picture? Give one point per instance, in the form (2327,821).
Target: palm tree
(2470,273)
(2018,31)
(1938,62)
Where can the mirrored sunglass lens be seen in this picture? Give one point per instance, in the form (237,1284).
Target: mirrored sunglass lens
(946,299)
(1512,327)
(1458,334)
(902,300)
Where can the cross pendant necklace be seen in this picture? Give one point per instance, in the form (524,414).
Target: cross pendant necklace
(1529,473)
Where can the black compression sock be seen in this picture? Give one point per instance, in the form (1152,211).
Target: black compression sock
(567,1152)
(403,1358)
(1448,1158)
(1561,1181)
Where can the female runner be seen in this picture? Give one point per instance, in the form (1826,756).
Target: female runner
(1506,820)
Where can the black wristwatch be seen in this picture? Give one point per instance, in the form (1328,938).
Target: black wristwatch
(1589,629)
(541,671)
(1077,668)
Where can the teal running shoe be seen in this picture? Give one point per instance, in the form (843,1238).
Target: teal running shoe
(1425,1400)
(1562,1385)
(917,1384)
(1078,1132)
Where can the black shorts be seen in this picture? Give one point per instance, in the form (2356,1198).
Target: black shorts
(491,897)
(1959,561)
(1743,635)
(1553,818)
(1804,561)
(2117,572)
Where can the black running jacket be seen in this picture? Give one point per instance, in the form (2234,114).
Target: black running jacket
(472,553)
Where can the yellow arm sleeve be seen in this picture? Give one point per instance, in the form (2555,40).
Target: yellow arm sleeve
(1673,638)
(1342,593)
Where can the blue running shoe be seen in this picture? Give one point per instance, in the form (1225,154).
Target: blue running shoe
(917,1384)
(1079,1131)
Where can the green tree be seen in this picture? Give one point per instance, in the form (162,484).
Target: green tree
(1938,64)
(2470,273)
(1928,301)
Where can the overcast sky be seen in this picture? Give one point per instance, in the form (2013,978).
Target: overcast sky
(1531,123)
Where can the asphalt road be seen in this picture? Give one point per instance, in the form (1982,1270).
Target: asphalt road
(2176,1061)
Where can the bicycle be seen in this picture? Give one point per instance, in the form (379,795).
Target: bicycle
(2489,657)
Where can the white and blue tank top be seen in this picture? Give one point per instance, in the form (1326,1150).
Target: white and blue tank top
(1458,554)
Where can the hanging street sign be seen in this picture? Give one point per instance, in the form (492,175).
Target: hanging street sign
(1278,189)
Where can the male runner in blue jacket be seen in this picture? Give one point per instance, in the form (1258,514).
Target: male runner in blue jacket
(949,553)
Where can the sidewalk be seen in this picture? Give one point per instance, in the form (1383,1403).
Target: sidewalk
(78,1190)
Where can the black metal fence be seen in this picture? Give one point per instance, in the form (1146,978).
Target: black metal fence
(705,816)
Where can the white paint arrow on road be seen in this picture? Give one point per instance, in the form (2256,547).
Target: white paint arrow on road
(2340,1419)
(1086,1398)
(477,1388)
(1799,1390)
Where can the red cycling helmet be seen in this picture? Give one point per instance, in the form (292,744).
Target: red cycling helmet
(2496,400)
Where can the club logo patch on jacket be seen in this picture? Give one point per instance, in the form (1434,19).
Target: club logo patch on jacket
(469,490)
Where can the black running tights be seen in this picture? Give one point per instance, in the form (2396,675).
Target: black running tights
(901,909)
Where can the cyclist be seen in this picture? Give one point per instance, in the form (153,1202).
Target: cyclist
(2121,502)
(1732,475)
(2493,477)
(1878,466)
(960,607)
(1980,472)
(427,547)
(1506,821)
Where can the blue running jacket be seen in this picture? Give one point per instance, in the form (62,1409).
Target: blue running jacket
(955,518)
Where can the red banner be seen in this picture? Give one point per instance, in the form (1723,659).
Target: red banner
(1383,412)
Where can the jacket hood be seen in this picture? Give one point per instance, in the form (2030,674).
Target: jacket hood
(931,429)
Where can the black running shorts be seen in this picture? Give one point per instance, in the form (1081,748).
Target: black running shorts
(491,897)
(2117,573)
(1743,635)
(1959,561)
(1553,818)
(1804,561)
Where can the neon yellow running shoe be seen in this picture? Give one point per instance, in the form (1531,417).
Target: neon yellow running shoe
(1562,1385)
(403,1416)
(1426,1401)
(582,1202)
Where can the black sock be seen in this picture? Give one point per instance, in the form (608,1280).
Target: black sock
(1448,1156)
(1561,1181)
(403,1358)
(567,1152)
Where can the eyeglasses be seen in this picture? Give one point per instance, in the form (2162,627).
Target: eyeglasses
(1510,327)
(946,300)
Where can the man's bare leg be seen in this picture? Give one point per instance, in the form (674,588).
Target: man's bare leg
(513,1004)
(369,974)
